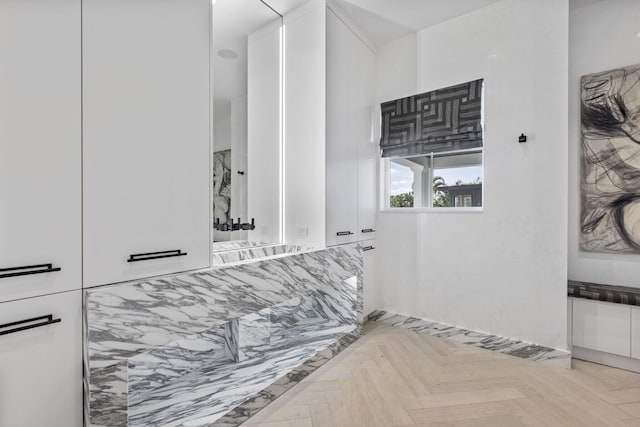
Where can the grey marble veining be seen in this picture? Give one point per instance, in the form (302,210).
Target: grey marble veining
(504,345)
(250,407)
(231,245)
(253,253)
(160,340)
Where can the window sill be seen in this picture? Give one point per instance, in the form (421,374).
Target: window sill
(431,210)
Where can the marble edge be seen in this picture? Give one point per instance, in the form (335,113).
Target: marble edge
(255,404)
(102,288)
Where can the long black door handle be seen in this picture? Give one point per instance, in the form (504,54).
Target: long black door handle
(343,233)
(27,324)
(27,270)
(368,248)
(155,255)
(367,230)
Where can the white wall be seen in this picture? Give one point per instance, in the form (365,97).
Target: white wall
(502,270)
(304,143)
(603,36)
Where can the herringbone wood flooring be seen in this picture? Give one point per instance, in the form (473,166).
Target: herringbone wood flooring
(395,377)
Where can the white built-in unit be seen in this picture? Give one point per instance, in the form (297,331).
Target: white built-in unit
(41,361)
(40,163)
(330,157)
(40,213)
(330,148)
(350,145)
(146,139)
(371,296)
(635,332)
(604,332)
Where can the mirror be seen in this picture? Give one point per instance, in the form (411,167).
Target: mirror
(247,105)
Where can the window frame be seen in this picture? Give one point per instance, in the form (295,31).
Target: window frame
(385,193)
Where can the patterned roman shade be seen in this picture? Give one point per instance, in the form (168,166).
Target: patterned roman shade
(441,120)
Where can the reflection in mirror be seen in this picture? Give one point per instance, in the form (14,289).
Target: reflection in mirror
(246,69)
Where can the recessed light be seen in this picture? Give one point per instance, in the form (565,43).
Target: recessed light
(227,54)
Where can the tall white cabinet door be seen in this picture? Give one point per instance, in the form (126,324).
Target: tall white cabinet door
(40,136)
(41,367)
(341,147)
(367,145)
(146,137)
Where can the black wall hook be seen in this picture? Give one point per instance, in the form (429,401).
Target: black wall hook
(522,138)
(240,172)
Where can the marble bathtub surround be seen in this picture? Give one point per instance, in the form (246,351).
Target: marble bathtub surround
(253,253)
(253,405)
(192,331)
(231,245)
(508,346)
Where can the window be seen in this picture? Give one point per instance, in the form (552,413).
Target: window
(431,144)
(436,180)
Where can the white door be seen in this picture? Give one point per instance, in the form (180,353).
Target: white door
(367,143)
(146,138)
(40,178)
(341,134)
(41,361)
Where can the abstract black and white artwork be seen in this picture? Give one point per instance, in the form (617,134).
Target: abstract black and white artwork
(610,187)
(221,185)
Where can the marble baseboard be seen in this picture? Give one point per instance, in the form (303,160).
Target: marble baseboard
(503,345)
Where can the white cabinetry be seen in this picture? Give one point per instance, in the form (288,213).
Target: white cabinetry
(350,149)
(605,333)
(146,137)
(41,367)
(602,326)
(40,165)
(370,292)
(635,332)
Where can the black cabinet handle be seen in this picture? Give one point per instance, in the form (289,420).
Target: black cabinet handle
(343,233)
(367,230)
(25,271)
(155,255)
(28,324)
(368,248)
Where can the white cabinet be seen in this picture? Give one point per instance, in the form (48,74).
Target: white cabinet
(146,137)
(39,147)
(341,133)
(367,144)
(41,367)
(350,149)
(602,326)
(635,332)
(370,290)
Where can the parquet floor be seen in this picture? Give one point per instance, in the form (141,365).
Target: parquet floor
(395,377)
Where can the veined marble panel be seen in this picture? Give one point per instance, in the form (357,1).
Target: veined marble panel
(231,245)
(253,405)
(206,394)
(504,345)
(253,253)
(144,337)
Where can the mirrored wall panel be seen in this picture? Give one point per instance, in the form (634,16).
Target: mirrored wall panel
(247,122)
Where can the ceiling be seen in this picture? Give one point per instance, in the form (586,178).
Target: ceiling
(381,20)
(386,20)
(233,21)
